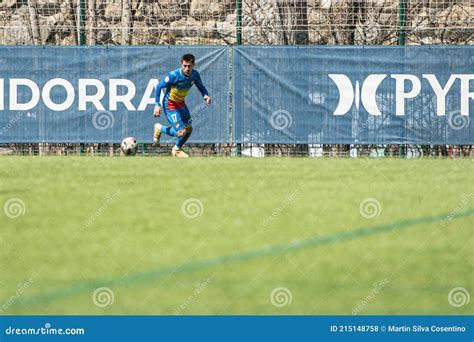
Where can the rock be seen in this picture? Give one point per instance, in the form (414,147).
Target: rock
(162,12)
(455,16)
(325,4)
(68,40)
(192,28)
(260,22)
(207,8)
(113,11)
(185,27)
(320,27)
(231,18)
(48,9)
(210,29)
(4,4)
(16,31)
(227,28)
(104,36)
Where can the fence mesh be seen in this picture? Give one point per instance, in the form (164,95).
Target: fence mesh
(139,22)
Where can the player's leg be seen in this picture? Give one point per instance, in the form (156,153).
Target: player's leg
(169,130)
(184,133)
(184,130)
(157,126)
(157,133)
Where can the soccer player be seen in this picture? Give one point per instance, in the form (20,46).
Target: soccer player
(169,97)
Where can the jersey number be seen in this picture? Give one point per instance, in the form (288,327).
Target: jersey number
(173,117)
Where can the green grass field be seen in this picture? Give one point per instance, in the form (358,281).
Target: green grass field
(220,235)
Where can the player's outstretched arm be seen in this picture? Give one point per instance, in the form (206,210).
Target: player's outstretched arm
(202,89)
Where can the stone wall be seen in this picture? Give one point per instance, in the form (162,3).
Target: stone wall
(213,22)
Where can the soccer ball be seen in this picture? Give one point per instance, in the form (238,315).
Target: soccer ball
(129,146)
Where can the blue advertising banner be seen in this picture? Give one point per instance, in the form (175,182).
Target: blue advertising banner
(104,94)
(237,328)
(353,94)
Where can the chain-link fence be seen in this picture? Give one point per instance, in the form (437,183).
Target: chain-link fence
(140,22)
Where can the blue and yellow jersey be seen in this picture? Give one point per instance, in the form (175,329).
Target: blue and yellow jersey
(176,86)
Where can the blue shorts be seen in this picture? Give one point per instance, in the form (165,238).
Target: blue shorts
(178,118)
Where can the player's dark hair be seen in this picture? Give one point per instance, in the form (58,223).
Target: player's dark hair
(188,58)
